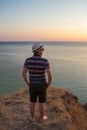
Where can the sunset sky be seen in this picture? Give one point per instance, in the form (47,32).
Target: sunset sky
(44,20)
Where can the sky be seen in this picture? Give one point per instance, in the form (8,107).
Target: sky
(43,20)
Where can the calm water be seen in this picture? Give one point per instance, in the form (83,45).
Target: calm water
(68,62)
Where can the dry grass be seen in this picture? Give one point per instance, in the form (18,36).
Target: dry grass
(63,110)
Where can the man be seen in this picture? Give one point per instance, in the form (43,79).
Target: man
(37,82)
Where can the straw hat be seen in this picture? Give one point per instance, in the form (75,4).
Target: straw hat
(36,47)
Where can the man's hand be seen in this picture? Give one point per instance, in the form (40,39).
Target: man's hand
(49,74)
(24,74)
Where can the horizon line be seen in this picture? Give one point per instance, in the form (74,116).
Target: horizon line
(38,41)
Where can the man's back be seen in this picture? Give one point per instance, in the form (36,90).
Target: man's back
(37,66)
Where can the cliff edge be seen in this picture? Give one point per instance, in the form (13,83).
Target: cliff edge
(63,110)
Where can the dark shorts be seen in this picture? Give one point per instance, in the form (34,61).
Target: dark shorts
(38,91)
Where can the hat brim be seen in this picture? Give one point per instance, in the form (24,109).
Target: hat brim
(38,49)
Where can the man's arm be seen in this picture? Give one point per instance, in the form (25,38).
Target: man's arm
(49,74)
(24,74)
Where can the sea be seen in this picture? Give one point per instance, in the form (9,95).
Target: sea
(68,61)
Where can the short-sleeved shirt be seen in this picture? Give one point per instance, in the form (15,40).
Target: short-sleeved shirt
(37,66)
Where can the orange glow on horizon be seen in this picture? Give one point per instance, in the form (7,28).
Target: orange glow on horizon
(43,35)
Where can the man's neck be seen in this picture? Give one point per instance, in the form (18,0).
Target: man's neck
(37,55)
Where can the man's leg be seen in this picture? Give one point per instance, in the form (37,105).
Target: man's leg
(33,100)
(42,109)
(32,111)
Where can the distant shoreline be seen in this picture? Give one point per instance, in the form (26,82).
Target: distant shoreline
(60,43)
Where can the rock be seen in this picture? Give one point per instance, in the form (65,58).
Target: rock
(63,110)
(85,106)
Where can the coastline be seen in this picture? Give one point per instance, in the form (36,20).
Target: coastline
(63,110)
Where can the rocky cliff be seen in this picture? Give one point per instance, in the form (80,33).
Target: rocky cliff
(63,110)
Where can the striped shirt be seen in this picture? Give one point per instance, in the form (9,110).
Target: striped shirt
(36,66)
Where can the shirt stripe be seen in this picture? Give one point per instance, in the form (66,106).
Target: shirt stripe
(36,66)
